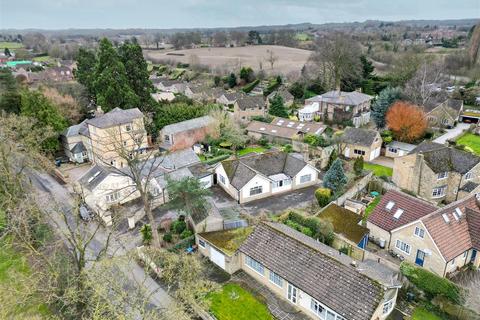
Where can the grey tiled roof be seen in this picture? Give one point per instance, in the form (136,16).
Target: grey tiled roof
(441,158)
(240,171)
(359,136)
(302,261)
(93,177)
(286,96)
(402,145)
(81,128)
(251,102)
(187,125)
(116,117)
(340,97)
(78,148)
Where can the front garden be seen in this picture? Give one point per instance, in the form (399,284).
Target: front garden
(233,302)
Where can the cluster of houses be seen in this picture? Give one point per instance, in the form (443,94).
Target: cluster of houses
(315,278)
(25,71)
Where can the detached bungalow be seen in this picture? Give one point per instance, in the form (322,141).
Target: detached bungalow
(260,176)
(306,274)
(359,142)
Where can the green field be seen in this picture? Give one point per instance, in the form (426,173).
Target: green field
(46,59)
(235,303)
(303,37)
(10,45)
(378,170)
(423,314)
(471,142)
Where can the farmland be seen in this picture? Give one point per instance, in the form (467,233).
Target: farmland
(289,59)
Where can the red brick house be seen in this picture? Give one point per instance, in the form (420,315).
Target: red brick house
(185,134)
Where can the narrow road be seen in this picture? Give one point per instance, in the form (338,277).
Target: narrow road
(452,133)
(53,195)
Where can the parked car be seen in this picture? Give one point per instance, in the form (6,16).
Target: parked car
(60,160)
(85,213)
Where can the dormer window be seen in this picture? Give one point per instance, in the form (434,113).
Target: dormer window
(442,175)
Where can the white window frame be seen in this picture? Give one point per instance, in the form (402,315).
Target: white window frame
(255,192)
(254,264)
(387,307)
(403,246)
(202,243)
(221,178)
(275,279)
(112,197)
(419,232)
(393,150)
(442,175)
(359,152)
(468,175)
(439,192)
(302,178)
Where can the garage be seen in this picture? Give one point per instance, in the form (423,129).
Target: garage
(217,257)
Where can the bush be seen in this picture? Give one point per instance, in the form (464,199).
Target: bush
(432,284)
(167,237)
(249,87)
(287,148)
(358,166)
(321,230)
(146,232)
(323,196)
(185,234)
(179,226)
(263,142)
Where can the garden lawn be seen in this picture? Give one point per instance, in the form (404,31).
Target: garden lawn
(471,141)
(251,150)
(46,59)
(378,170)
(423,314)
(371,206)
(235,303)
(10,45)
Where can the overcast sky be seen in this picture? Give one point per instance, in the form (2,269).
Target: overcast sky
(61,14)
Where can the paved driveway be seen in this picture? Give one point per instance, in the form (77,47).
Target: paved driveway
(300,198)
(453,133)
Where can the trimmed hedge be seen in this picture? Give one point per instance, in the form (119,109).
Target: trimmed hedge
(249,87)
(432,284)
(217,159)
(323,196)
(311,226)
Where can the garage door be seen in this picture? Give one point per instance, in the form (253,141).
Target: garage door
(217,257)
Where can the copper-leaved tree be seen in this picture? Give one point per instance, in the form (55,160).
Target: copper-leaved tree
(407,121)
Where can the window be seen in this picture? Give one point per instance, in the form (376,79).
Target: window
(254,264)
(393,150)
(317,308)
(113,197)
(128,127)
(468,176)
(453,262)
(287,182)
(387,307)
(124,143)
(201,243)
(256,190)
(465,254)
(359,152)
(442,175)
(402,246)
(445,121)
(221,178)
(438,192)
(155,191)
(419,232)
(305,178)
(275,278)
(166,138)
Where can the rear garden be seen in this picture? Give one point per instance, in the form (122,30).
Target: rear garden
(378,170)
(471,142)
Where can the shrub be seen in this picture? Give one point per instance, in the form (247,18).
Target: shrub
(249,87)
(146,232)
(179,226)
(167,237)
(185,234)
(323,196)
(287,148)
(432,284)
(344,250)
(263,142)
(358,166)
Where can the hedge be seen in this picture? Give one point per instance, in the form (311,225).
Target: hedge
(217,159)
(432,284)
(249,87)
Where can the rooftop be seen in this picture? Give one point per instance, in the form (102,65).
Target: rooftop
(115,117)
(341,97)
(359,136)
(191,124)
(228,241)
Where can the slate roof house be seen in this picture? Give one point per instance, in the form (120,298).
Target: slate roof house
(249,106)
(185,134)
(338,106)
(395,210)
(312,277)
(228,99)
(287,97)
(103,186)
(259,176)
(445,240)
(445,114)
(173,86)
(282,130)
(436,172)
(358,142)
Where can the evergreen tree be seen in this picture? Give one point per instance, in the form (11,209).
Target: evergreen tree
(380,107)
(137,73)
(331,158)
(187,195)
(358,166)
(86,62)
(277,108)
(10,99)
(246,74)
(232,80)
(7,52)
(111,82)
(335,178)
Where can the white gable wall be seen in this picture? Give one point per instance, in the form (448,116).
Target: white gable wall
(258,180)
(308,169)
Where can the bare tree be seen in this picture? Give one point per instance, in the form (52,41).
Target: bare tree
(335,59)
(422,88)
(220,39)
(271,58)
